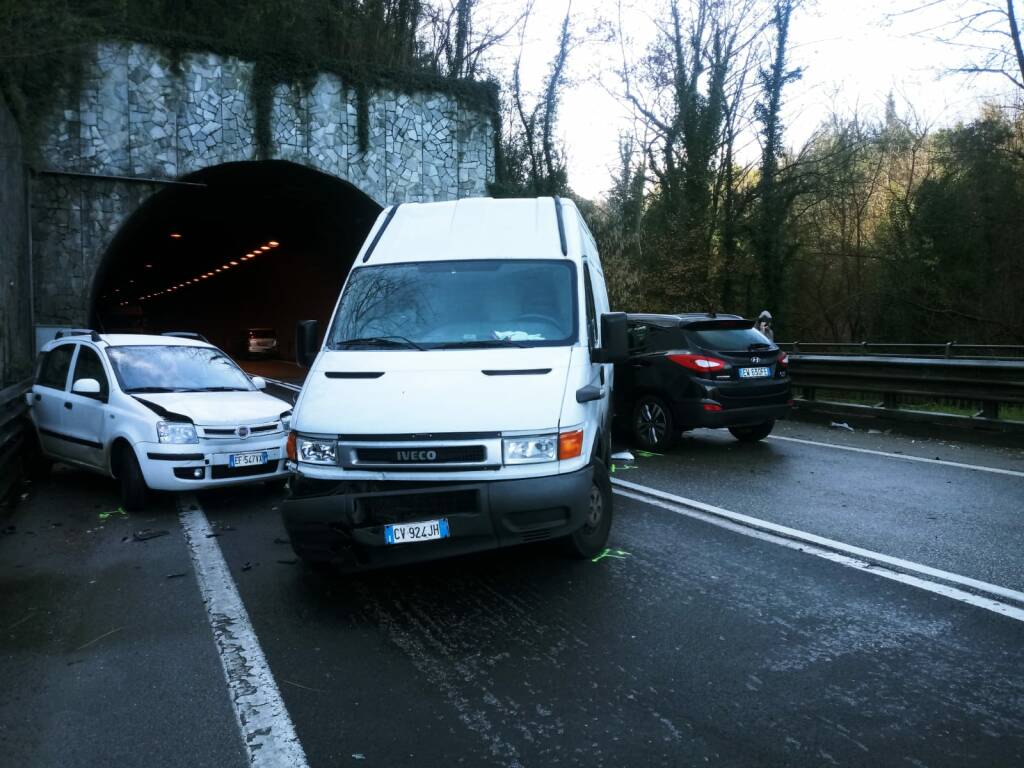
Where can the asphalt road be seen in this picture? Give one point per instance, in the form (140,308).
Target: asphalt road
(687,645)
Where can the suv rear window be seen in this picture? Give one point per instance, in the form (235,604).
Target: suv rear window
(729,339)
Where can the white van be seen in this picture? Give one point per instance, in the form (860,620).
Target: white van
(460,398)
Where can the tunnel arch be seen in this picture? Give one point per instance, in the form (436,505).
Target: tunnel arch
(258,244)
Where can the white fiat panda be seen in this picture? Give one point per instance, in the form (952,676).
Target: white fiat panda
(459,400)
(156,412)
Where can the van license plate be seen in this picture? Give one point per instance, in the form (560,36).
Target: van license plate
(407,533)
(247,459)
(755,373)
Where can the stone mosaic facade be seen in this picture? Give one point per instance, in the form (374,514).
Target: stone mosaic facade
(138,113)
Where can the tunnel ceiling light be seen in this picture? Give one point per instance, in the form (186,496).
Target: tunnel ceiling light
(234,263)
(264,247)
(225,266)
(149,266)
(273,243)
(176,235)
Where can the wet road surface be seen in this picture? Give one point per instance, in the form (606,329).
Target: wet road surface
(686,645)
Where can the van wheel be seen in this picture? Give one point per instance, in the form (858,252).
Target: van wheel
(652,426)
(134,490)
(754,432)
(590,540)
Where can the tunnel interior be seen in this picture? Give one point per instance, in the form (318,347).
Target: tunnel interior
(234,247)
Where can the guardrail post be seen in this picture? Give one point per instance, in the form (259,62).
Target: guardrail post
(949,348)
(890,400)
(809,393)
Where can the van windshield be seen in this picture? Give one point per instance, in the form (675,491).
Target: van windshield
(457,304)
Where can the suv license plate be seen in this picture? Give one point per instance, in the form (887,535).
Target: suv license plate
(407,533)
(755,373)
(247,459)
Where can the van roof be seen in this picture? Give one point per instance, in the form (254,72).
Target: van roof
(474,228)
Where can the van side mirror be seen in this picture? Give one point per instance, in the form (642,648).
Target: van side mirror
(306,334)
(614,339)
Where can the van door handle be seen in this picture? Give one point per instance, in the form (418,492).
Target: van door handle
(69,406)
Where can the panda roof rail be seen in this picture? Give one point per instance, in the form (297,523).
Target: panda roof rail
(65,332)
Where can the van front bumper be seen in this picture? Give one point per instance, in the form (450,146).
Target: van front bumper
(345,525)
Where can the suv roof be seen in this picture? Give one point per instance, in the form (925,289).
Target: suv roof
(682,320)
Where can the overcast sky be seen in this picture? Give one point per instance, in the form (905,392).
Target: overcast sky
(851,53)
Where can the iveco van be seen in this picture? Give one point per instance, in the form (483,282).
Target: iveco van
(459,400)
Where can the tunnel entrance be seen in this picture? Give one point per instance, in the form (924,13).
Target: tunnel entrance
(240,246)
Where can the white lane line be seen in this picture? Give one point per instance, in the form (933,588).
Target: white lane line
(833,550)
(942,462)
(267,731)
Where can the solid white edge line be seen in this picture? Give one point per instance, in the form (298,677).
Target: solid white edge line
(267,732)
(826,543)
(1010,611)
(922,459)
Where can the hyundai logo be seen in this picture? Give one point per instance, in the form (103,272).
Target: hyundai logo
(242,432)
(417,455)
(755,359)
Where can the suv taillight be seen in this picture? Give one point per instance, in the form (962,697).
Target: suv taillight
(783,359)
(698,363)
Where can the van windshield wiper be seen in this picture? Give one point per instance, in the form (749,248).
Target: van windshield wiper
(480,344)
(219,389)
(379,341)
(154,390)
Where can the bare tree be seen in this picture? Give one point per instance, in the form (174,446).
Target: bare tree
(989,31)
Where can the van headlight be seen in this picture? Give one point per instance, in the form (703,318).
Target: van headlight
(532,449)
(176,432)
(313,450)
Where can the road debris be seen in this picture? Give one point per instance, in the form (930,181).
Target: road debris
(247,566)
(841,425)
(623,456)
(176,575)
(293,561)
(148,533)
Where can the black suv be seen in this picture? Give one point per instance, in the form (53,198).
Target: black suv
(699,370)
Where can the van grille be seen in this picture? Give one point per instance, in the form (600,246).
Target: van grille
(456,454)
(397,508)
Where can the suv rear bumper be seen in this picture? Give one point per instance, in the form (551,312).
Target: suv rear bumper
(347,528)
(692,415)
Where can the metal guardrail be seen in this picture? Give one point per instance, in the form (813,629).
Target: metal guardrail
(12,425)
(989,382)
(948,350)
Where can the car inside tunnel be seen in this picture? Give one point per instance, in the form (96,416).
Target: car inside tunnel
(235,247)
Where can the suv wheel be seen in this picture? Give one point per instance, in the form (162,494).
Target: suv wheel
(754,432)
(652,426)
(134,490)
(591,539)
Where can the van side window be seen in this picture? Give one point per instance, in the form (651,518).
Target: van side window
(591,310)
(54,370)
(89,366)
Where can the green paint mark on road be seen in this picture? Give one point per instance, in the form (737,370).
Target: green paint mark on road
(618,554)
(647,454)
(119,512)
(617,468)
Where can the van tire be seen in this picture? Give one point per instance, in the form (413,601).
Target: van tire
(134,491)
(754,432)
(590,539)
(652,426)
